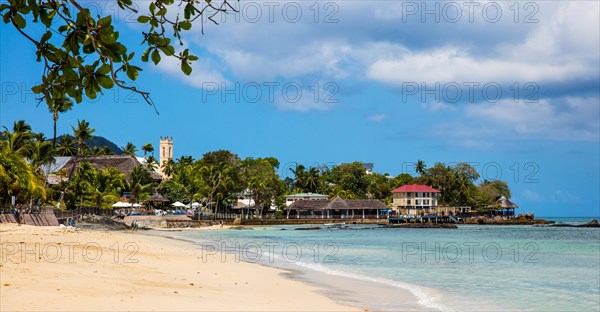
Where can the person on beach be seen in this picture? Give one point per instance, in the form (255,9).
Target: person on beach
(221,223)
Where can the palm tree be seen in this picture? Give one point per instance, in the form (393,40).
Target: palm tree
(151,163)
(99,151)
(140,183)
(17,177)
(299,176)
(312,180)
(41,153)
(82,180)
(66,146)
(19,140)
(129,149)
(420,167)
(104,186)
(57,106)
(168,167)
(147,148)
(82,132)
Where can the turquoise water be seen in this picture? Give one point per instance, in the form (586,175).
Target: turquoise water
(473,268)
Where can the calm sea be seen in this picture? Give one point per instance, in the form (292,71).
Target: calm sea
(473,268)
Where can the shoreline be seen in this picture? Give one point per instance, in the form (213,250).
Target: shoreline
(355,290)
(98,270)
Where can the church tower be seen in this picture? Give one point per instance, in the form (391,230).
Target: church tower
(165,152)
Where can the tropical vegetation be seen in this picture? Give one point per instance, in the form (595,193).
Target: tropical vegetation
(216,180)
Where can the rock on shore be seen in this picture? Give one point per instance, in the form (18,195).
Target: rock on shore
(519,220)
(425,225)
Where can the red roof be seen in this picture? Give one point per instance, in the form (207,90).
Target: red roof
(412,188)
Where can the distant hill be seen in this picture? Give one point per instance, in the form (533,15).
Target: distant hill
(100,142)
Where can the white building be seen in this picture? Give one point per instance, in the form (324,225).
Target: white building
(290,199)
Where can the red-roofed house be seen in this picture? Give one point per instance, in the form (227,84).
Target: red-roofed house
(415,199)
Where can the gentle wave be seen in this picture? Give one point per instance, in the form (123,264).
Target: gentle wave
(426,298)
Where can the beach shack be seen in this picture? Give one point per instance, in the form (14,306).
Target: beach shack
(337,208)
(504,207)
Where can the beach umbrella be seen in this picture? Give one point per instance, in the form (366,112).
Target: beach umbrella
(178,204)
(121,205)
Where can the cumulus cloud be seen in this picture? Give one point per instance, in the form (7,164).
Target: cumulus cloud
(375,42)
(378,117)
(563,119)
(203,74)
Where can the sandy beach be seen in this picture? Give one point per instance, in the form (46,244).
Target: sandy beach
(52,269)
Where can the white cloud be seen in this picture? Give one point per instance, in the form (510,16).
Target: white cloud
(436,106)
(378,117)
(451,64)
(532,196)
(203,72)
(571,119)
(563,119)
(561,196)
(369,42)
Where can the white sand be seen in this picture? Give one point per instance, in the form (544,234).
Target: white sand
(51,269)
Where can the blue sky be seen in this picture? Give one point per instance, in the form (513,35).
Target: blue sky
(512,89)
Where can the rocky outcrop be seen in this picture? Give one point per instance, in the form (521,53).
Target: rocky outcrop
(315,228)
(518,220)
(241,228)
(592,224)
(424,225)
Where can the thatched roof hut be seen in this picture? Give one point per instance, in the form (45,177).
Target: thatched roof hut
(503,203)
(123,163)
(337,204)
(156,198)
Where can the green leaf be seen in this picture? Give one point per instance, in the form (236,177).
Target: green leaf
(192,58)
(168,51)
(103,70)
(88,49)
(132,73)
(37,89)
(46,36)
(89,92)
(186,25)
(6,17)
(186,68)
(155,57)
(69,73)
(152,8)
(19,21)
(145,55)
(143,19)
(105,82)
(78,96)
(105,21)
(46,18)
